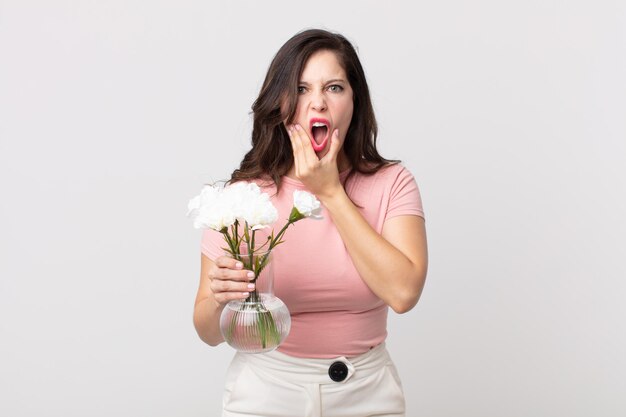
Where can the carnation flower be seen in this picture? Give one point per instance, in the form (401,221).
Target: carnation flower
(209,210)
(306,204)
(225,209)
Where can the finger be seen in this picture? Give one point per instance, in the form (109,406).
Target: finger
(227,268)
(225,274)
(335,146)
(298,150)
(309,153)
(228,262)
(292,139)
(295,142)
(225,297)
(218,286)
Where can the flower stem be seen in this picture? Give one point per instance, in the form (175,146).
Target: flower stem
(280,234)
(251,254)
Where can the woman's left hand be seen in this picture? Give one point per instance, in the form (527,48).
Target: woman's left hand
(319,175)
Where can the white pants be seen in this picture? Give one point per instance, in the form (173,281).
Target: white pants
(277,385)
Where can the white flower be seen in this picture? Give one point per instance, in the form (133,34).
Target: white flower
(210,210)
(206,196)
(239,195)
(307,205)
(250,205)
(259,212)
(216,208)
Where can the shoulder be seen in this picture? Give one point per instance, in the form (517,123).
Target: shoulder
(386,175)
(395,170)
(363,186)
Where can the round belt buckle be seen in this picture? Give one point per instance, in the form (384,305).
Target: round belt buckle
(338,371)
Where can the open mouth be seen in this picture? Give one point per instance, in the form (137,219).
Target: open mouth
(320,129)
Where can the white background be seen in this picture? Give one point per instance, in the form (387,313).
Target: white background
(511,116)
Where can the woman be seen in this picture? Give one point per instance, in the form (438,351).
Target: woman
(314,129)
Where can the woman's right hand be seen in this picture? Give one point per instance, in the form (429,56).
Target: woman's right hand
(228,280)
(221,281)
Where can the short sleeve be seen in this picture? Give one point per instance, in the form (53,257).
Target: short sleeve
(212,244)
(405,197)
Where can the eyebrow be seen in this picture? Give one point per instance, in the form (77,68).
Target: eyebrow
(334,80)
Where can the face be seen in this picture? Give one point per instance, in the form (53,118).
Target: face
(324,101)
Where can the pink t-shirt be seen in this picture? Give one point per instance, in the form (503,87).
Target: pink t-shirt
(333,311)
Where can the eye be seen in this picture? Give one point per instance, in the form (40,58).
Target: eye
(335,88)
(301,89)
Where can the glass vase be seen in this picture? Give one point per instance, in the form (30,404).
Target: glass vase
(262,321)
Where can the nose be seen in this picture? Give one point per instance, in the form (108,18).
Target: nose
(318,102)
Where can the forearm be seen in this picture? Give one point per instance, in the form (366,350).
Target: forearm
(206,319)
(388,272)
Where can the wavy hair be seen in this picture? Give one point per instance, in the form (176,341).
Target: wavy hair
(271,155)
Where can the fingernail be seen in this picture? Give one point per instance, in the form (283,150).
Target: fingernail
(238,265)
(298,127)
(250,274)
(245,294)
(251,286)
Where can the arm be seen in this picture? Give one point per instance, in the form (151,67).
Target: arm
(220,282)
(393,264)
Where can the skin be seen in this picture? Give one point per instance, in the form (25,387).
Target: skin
(324,92)
(392,264)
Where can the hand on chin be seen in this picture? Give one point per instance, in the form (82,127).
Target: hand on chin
(316,169)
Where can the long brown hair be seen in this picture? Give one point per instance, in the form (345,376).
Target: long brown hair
(271,155)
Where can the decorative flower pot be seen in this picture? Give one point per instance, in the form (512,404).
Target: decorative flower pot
(262,321)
